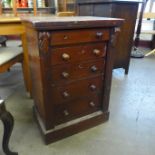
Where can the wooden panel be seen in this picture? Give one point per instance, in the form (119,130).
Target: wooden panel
(79,53)
(86,10)
(35,66)
(80,36)
(15,29)
(103,10)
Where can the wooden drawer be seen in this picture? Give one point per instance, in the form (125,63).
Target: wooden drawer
(74,90)
(66,73)
(77,53)
(77,108)
(78,36)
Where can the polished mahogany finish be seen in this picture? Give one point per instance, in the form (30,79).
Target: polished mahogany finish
(74,71)
(71,67)
(78,108)
(63,55)
(64,93)
(71,37)
(126,9)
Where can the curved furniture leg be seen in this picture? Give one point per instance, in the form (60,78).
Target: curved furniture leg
(3,44)
(3,40)
(8,123)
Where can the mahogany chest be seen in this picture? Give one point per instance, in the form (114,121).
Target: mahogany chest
(71,67)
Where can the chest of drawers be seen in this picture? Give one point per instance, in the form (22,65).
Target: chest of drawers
(71,67)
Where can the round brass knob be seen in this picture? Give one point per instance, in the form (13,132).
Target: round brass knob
(92,87)
(99,35)
(66,94)
(65,56)
(65,75)
(96,52)
(94,69)
(66,113)
(92,104)
(65,37)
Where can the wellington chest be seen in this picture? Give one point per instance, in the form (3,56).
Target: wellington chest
(71,65)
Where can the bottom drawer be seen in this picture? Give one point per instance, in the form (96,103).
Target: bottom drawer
(76,109)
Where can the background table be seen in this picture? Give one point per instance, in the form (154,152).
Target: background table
(10,25)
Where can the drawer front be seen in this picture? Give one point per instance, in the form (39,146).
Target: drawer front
(78,36)
(77,53)
(66,73)
(74,90)
(76,109)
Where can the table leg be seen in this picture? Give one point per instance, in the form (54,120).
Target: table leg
(8,123)
(26,70)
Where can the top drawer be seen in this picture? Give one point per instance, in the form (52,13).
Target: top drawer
(78,36)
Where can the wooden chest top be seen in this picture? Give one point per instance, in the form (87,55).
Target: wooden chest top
(53,22)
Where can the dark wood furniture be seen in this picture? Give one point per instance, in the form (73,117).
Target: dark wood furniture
(71,67)
(3,40)
(8,123)
(153,38)
(126,9)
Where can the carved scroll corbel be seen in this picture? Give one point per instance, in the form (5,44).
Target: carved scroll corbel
(44,40)
(114,36)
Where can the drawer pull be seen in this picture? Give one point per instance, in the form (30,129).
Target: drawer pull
(94,69)
(65,56)
(66,94)
(65,37)
(65,75)
(96,52)
(92,104)
(93,87)
(66,113)
(99,35)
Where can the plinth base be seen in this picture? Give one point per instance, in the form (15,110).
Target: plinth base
(72,127)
